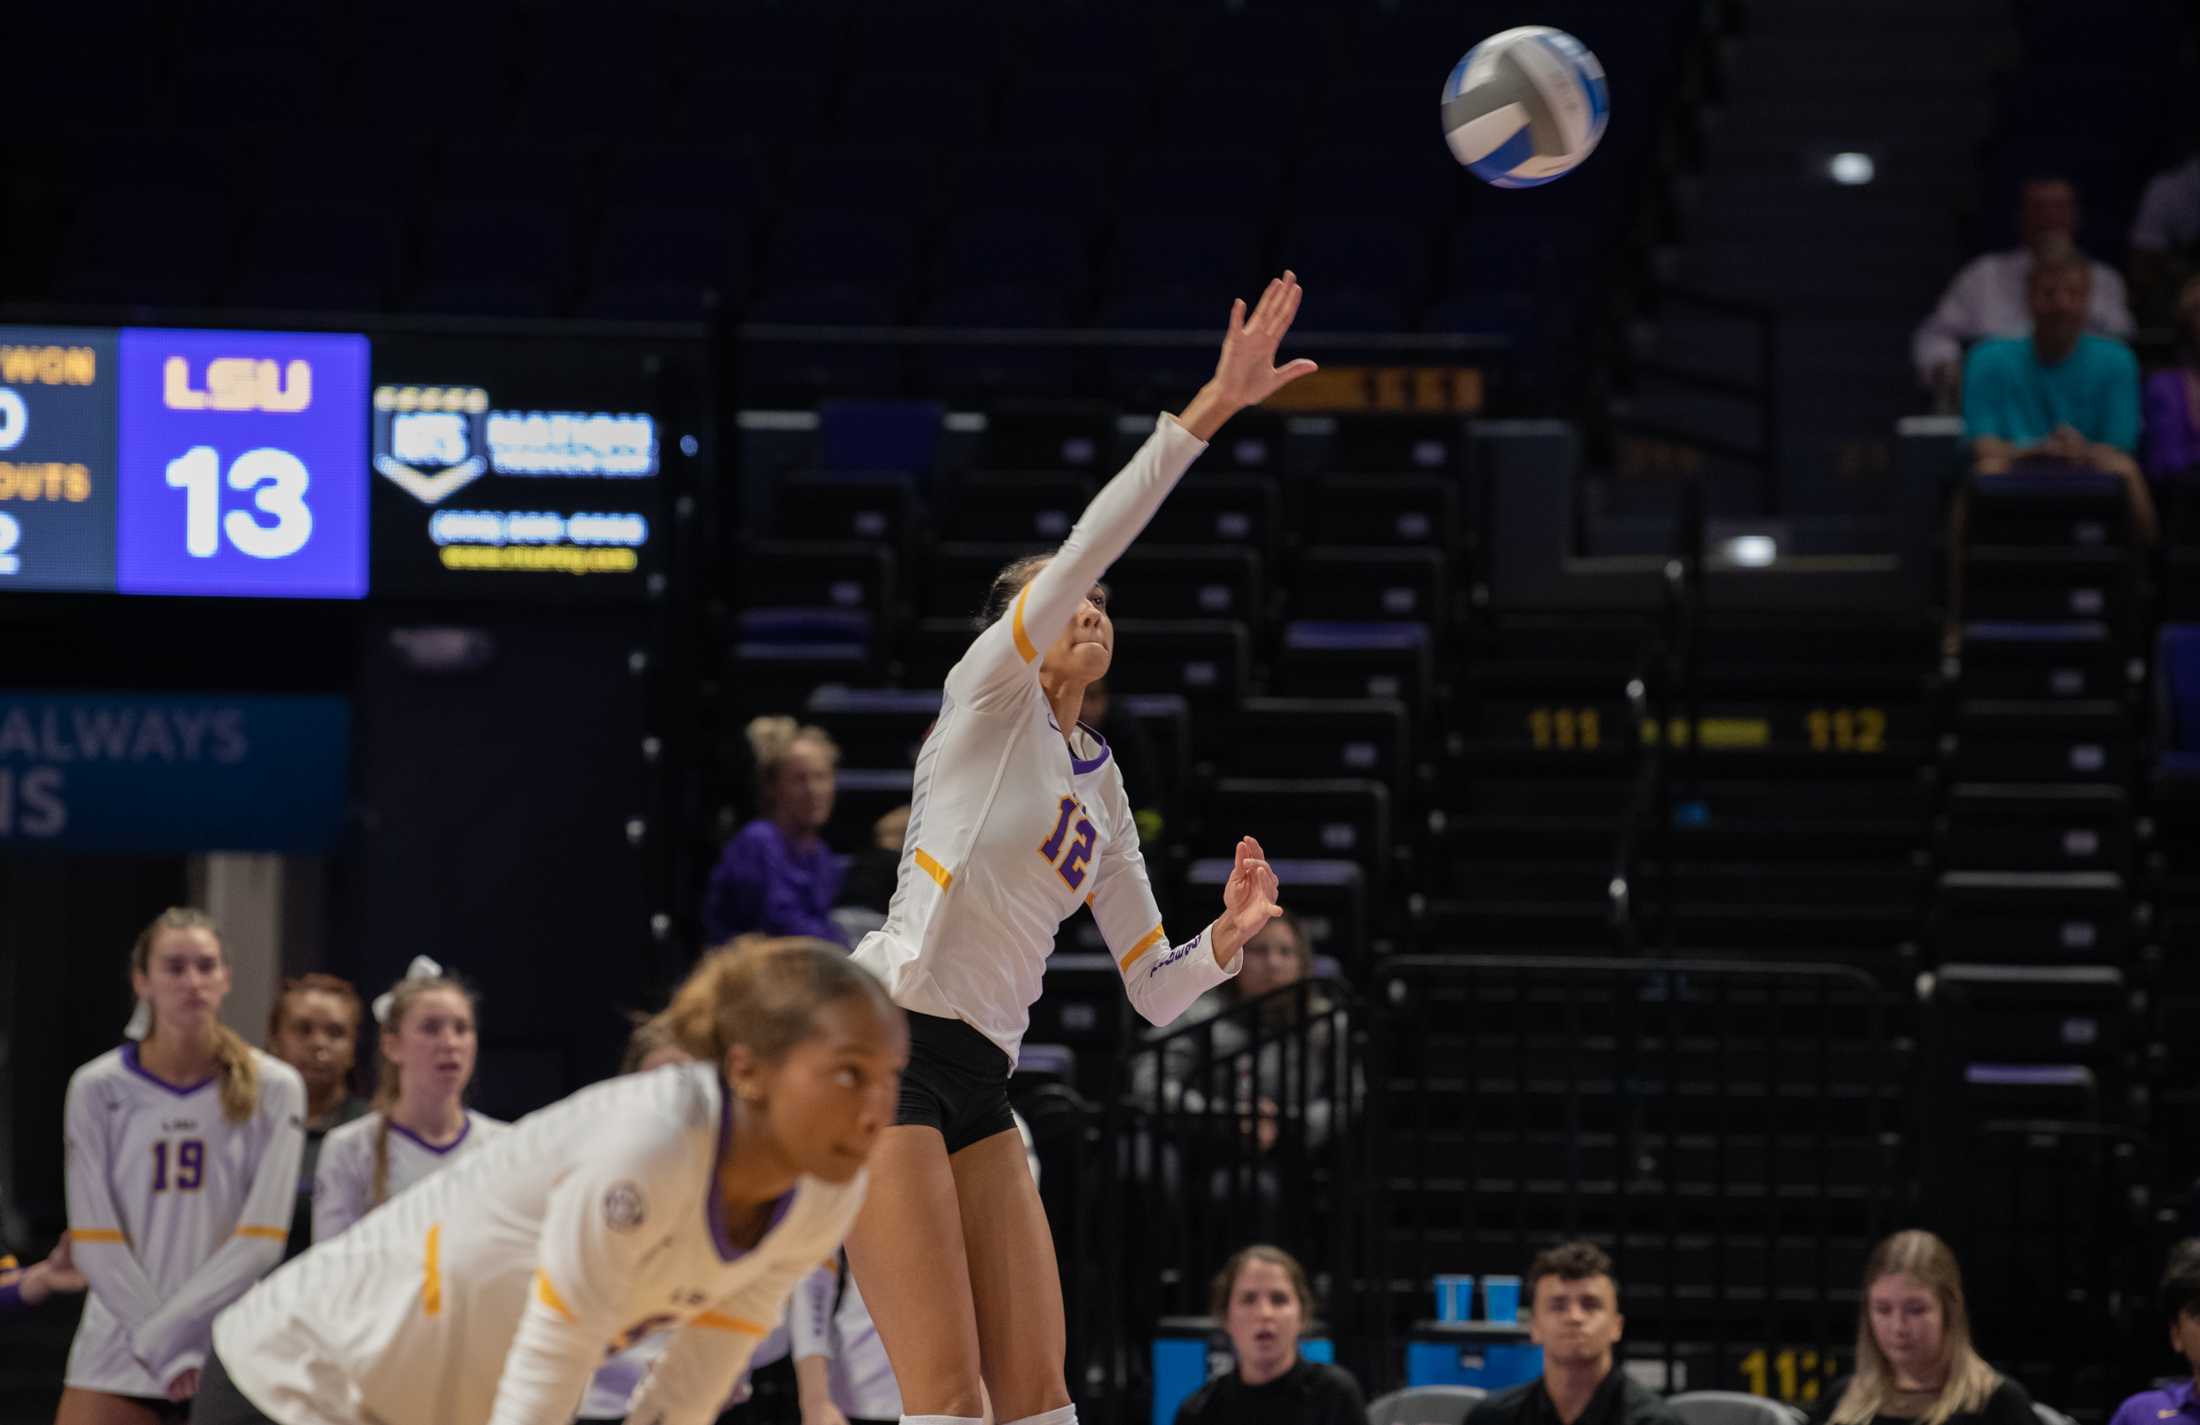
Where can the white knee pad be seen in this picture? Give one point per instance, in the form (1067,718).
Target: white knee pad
(1067,1415)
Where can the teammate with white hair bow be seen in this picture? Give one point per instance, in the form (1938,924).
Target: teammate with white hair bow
(420,1124)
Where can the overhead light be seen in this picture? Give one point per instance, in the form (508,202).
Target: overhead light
(1751,551)
(1850,169)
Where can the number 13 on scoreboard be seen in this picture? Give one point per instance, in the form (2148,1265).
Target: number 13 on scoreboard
(243,464)
(281,480)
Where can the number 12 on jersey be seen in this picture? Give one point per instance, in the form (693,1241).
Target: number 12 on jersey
(1072,864)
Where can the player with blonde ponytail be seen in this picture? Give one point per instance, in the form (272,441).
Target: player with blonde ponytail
(420,1124)
(182,1159)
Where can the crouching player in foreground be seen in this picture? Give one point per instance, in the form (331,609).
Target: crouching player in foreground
(690,1200)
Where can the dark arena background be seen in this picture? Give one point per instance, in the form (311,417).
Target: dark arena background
(1732,819)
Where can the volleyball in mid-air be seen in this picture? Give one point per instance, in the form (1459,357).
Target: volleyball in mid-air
(1525,106)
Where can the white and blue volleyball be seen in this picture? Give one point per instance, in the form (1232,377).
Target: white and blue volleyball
(1525,106)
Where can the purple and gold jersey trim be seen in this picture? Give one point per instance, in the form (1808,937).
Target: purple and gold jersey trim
(715,1210)
(715,1321)
(1025,648)
(466,1126)
(1146,942)
(130,1062)
(431,1273)
(548,1296)
(934,869)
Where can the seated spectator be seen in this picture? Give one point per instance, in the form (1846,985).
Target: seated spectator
(2173,397)
(1573,1314)
(1987,299)
(313,1026)
(2179,1300)
(22,1288)
(2165,239)
(776,876)
(868,887)
(1266,1304)
(1257,1065)
(2060,396)
(1914,1357)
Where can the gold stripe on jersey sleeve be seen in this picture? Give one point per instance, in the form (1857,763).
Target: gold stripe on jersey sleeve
(431,1273)
(1146,942)
(1024,648)
(713,1321)
(272,1234)
(548,1296)
(98,1234)
(934,869)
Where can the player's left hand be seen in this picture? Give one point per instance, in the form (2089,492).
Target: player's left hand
(1248,901)
(184,1386)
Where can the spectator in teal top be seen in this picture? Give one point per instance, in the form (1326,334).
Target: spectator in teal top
(2061,396)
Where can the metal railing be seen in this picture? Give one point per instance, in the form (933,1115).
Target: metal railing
(1239,1128)
(1723,1129)
(1665,704)
(1762,392)
(2053,1225)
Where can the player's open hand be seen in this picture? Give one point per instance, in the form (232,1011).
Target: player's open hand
(1247,373)
(1248,901)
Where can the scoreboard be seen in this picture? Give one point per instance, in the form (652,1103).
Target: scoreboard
(327,465)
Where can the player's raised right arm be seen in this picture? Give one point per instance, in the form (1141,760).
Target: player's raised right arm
(1245,375)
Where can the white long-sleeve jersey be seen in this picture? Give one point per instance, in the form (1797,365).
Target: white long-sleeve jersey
(490,1292)
(173,1211)
(1009,828)
(343,1183)
(828,1318)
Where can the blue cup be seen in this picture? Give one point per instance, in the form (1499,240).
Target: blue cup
(1455,1296)
(1501,1299)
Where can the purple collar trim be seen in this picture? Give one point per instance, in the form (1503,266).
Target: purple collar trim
(130,1062)
(1079,766)
(466,1126)
(715,1211)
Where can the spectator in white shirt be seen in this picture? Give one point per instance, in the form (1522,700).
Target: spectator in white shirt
(2165,239)
(1987,298)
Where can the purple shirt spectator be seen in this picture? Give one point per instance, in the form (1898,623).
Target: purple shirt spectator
(768,883)
(2158,1407)
(2172,422)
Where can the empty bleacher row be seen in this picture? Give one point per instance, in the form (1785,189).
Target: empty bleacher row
(820,164)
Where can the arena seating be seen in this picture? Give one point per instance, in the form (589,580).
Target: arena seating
(1308,642)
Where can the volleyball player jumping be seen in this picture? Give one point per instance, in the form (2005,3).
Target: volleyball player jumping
(1018,815)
